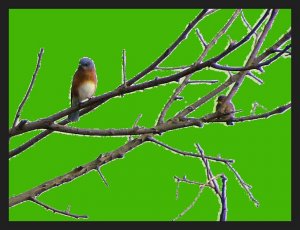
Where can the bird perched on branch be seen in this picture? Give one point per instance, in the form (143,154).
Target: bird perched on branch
(225,108)
(84,84)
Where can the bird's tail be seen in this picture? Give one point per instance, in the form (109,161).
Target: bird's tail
(229,123)
(74,116)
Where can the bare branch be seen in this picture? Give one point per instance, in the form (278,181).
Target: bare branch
(184,180)
(188,153)
(201,187)
(124,67)
(257,66)
(191,205)
(66,213)
(253,55)
(223,197)
(204,99)
(18,114)
(173,68)
(102,176)
(188,122)
(77,172)
(209,174)
(256,79)
(200,59)
(202,81)
(248,26)
(183,36)
(286,52)
(203,42)
(254,107)
(270,50)
(96,101)
(135,125)
(243,184)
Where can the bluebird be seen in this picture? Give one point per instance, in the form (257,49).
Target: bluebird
(84,84)
(224,108)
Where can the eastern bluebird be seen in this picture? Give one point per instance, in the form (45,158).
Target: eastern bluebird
(222,108)
(84,84)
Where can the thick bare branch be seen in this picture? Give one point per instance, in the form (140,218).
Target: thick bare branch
(197,122)
(77,172)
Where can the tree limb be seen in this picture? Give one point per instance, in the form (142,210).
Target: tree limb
(38,65)
(66,213)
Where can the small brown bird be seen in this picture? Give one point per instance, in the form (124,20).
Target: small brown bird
(84,84)
(224,108)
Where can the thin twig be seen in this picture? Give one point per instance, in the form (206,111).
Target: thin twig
(124,67)
(18,114)
(254,107)
(202,81)
(177,189)
(66,213)
(248,26)
(187,153)
(243,184)
(184,180)
(201,187)
(256,79)
(191,205)
(256,66)
(135,125)
(203,42)
(102,177)
(173,68)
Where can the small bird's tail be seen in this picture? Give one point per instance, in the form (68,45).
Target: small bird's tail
(229,123)
(74,116)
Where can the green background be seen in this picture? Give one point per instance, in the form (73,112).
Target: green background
(141,186)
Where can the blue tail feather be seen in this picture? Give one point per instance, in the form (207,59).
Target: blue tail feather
(74,116)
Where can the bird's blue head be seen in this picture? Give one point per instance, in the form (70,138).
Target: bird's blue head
(86,63)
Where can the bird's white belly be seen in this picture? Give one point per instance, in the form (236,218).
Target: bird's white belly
(86,90)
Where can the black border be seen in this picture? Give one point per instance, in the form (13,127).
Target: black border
(119,4)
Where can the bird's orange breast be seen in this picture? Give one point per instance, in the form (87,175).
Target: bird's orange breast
(81,77)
